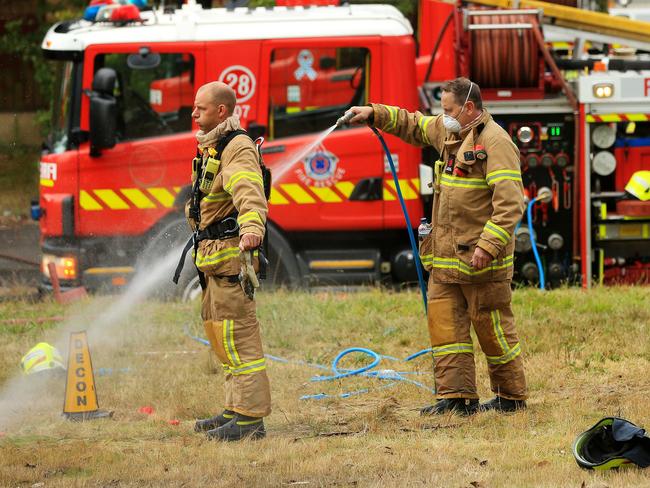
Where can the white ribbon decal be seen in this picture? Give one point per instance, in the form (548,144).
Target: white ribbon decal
(305,61)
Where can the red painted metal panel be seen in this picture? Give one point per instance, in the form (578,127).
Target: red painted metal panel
(129,188)
(152,169)
(397,74)
(236,63)
(585,201)
(628,161)
(59,180)
(431,19)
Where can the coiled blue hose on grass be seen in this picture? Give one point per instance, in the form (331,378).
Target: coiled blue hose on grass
(382,374)
(340,373)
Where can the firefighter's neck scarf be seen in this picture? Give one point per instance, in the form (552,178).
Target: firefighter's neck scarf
(211,138)
(480,119)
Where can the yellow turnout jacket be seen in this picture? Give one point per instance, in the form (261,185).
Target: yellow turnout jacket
(480,208)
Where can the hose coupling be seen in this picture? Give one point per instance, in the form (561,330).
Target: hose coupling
(544,194)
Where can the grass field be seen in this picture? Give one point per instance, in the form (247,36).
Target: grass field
(587,356)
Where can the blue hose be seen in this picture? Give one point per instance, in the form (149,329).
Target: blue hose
(416,254)
(203,341)
(418,354)
(382,374)
(529,215)
(376,358)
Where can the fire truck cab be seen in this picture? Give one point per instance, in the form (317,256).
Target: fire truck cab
(116,175)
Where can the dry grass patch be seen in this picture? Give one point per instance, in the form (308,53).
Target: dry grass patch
(587,356)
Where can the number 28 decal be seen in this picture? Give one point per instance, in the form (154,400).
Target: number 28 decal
(241,79)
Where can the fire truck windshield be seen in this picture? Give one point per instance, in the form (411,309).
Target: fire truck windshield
(62,104)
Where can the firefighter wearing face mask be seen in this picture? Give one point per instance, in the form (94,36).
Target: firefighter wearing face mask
(478,202)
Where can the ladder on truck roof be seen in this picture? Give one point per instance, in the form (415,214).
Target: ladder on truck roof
(582,24)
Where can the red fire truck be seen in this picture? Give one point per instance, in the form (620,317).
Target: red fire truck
(116,173)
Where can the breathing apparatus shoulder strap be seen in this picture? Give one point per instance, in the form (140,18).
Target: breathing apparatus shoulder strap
(221,145)
(266,173)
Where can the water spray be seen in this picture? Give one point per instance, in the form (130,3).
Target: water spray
(20,395)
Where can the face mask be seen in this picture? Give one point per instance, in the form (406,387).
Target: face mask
(451,123)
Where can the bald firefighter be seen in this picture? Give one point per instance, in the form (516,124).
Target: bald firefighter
(478,202)
(227,212)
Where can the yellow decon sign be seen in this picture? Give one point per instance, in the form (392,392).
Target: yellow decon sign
(80,395)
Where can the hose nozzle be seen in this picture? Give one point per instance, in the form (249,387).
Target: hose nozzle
(345,119)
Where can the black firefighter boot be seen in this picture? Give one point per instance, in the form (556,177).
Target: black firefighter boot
(213,422)
(501,404)
(239,428)
(461,406)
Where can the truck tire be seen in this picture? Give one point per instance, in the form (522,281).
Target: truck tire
(283,267)
(169,239)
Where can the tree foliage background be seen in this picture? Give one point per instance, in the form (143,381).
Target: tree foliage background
(21,36)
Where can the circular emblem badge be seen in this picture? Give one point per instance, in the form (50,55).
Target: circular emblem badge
(320,165)
(241,79)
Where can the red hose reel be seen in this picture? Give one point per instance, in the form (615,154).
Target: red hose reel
(499,52)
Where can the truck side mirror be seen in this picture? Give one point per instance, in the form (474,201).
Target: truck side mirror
(103,111)
(145,59)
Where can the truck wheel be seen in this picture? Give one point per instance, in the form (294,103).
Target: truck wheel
(191,290)
(169,241)
(283,267)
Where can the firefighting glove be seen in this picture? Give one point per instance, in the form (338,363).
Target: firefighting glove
(247,277)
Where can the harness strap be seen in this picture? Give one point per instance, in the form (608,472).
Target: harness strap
(181,262)
(223,229)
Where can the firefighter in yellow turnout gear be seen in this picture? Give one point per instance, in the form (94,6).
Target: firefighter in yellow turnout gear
(478,202)
(231,218)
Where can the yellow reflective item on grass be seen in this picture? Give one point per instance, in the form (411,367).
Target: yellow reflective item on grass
(41,357)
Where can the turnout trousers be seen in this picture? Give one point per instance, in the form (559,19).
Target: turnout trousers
(231,324)
(453,307)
